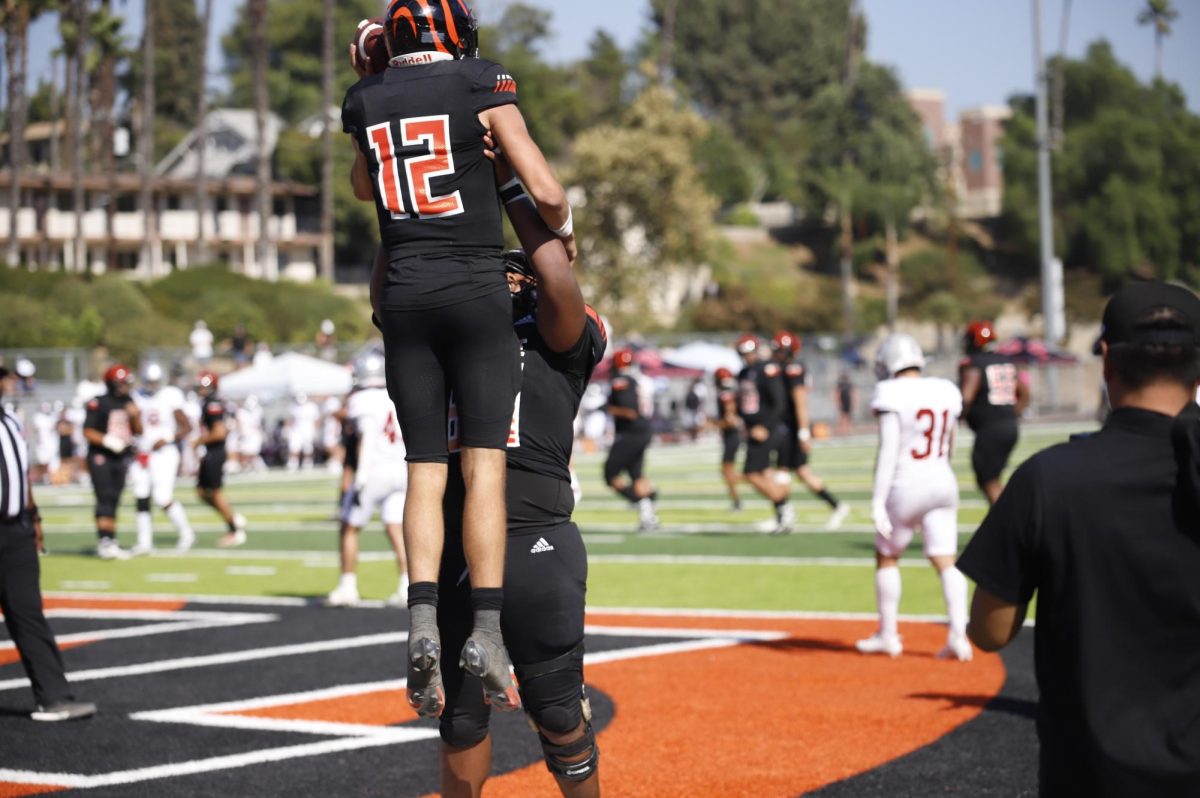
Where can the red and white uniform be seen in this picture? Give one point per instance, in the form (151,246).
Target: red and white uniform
(154,470)
(915,485)
(303,432)
(381,480)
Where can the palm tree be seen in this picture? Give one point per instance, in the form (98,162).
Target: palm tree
(327,142)
(105,31)
(258,39)
(146,136)
(16,30)
(202,134)
(1160,14)
(79,9)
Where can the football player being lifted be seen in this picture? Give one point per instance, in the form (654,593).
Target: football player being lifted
(915,487)
(545,569)
(440,295)
(156,465)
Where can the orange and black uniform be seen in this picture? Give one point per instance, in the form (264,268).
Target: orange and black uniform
(107,414)
(731,433)
(211,475)
(993,414)
(761,403)
(447,320)
(791,455)
(632,435)
(545,565)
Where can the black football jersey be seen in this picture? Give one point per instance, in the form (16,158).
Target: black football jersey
(625,391)
(761,394)
(418,127)
(552,385)
(212,410)
(794,375)
(727,393)
(997,397)
(108,415)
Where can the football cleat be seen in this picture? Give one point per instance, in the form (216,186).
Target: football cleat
(785,523)
(878,644)
(63,710)
(232,539)
(186,541)
(485,659)
(109,549)
(424,690)
(140,551)
(957,647)
(342,596)
(838,516)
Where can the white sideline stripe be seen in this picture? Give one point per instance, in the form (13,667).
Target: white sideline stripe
(172,578)
(713,559)
(217,763)
(266,601)
(211,660)
(84,584)
(178,622)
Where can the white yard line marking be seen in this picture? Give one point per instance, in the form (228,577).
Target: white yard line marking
(168,622)
(250,570)
(84,584)
(173,578)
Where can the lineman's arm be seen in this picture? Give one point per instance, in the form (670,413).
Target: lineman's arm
(508,128)
(183,425)
(217,433)
(994,623)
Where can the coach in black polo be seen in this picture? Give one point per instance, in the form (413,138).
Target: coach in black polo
(20,594)
(1106,530)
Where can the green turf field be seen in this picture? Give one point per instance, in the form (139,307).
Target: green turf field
(705,557)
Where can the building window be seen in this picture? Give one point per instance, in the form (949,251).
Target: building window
(220,205)
(127,203)
(173,202)
(279,207)
(975,161)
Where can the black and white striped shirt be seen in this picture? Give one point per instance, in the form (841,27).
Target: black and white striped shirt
(14,466)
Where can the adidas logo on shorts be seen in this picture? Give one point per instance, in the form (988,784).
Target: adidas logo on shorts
(540,546)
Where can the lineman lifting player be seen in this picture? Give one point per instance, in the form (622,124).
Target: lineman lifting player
(439,292)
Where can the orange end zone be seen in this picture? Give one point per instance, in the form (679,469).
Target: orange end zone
(10,789)
(771,718)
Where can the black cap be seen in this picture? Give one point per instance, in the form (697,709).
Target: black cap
(1126,312)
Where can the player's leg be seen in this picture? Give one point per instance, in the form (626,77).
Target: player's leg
(210,481)
(994,443)
(730,441)
(643,489)
(345,594)
(620,456)
(758,472)
(141,482)
(544,617)
(108,480)
(164,469)
(465,769)
(940,530)
(392,513)
(816,485)
(888,588)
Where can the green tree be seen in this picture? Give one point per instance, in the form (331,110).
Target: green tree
(645,206)
(1160,14)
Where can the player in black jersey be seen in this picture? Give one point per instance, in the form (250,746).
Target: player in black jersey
(441,296)
(761,403)
(731,431)
(112,422)
(210,478)
(796,435)
(994,396)
(630,403)
(546,563)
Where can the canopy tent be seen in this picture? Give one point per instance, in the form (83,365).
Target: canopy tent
(704,356)
(288,375)
(1033,350)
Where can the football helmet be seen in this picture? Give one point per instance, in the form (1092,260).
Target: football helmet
(784,341)
(437,26)
(723,375)
(623,358)
(369,371)
(525,297)
(152,375)
(899,351)
(118,378)
(747,344)
(979,335)
(207,382)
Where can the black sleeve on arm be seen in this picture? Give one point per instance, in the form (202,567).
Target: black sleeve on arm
(96,418)
(350,116)
(1001,557)
(493,86)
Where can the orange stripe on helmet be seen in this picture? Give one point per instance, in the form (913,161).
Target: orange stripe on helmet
(451,28)
(437,41)
(403,12)
(466,11)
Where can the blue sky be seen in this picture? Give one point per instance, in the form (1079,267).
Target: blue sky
(978,51)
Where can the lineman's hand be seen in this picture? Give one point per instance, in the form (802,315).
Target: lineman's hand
(759,433)
(883,522)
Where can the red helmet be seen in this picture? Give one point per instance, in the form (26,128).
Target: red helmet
(723,374)
(747,343)
(118,373)
(785,341)
(623,358)
(979,334)
(207,379)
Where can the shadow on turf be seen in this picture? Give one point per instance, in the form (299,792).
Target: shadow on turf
(815,644)
(1011,706)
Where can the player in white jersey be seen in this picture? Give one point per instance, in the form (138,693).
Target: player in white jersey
(302,433)
(156,466)
(45,444)
(915,487)
(380,483)
(331,434)
(249,419)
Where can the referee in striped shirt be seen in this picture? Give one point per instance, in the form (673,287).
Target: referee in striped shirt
(20,592)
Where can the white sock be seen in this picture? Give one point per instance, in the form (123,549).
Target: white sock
(179,518)
(887,597)
(403,586)
(954,590)
(145,530)
(646,506)
(349,580)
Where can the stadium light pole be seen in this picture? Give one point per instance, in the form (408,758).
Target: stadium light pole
(1053,320)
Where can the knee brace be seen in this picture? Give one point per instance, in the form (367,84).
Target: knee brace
(462,730)
(143,505)
(556,702)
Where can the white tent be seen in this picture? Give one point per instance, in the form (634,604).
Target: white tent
(287,375)
(702,355)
